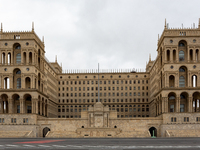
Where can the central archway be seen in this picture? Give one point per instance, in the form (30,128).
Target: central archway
(153,131)
(45,131)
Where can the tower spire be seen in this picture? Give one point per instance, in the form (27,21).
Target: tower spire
(43,39)
(149,57)
(1,27)
(165,24)
(56,59)
(199,22)
(32,26)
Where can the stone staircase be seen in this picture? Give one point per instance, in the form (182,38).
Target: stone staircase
(138,133)
(63,134)
(14,134)
(182,133)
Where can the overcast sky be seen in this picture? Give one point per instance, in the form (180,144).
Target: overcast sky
(119,34)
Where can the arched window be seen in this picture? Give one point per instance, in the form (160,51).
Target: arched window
(18,83)
(18,58)
(174,55)
(191,54)
(181,69)
(194,81)
(197,55)
(181,81)
(168,55)
(6,83)
(18,47)
(171,81)
(181,56)
(181,44)
(171,97)
(18,72)
(182,96)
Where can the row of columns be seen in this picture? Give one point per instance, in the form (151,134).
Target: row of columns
(12,61)
(9,104)
(162,105)
(33,84)
(35,109)
(188,81)
(171,57)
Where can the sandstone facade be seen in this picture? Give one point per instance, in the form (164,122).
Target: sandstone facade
(38,100)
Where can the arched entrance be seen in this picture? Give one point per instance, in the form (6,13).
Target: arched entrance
(45,131)
(153,131)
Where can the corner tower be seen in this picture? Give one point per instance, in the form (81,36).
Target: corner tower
(174,74)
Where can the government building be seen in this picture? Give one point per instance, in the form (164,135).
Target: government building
(38,100)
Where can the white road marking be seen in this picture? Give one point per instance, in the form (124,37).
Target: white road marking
(44,145)
(132,147)
(11,145)
(28,145)
(59,146)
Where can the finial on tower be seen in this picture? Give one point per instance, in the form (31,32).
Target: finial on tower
(32,26)
(1,27)
(149,57)
(158,37)
(165,23)
(42,39)
(199,22)
(56,59)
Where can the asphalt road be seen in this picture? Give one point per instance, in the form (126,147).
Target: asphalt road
(101,144)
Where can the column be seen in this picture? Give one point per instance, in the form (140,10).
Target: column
(0,57)
(177,104)
(194,55)
(190,104)
(12,58)
(22,58)
(189,84)
(188,54)
(171,55)
(156,109)
(166,104)
(33,106)
(40,107)
(1,102)
(36,106)
(44,109)
(6,58)
(163,104)
(195,105)
(36,60)
(1,82)
(33,58)
(27,57)
(11,82)
(10,106)
(36,83)
(22,106)
(177,56)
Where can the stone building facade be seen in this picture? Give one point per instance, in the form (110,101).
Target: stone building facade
(38,100)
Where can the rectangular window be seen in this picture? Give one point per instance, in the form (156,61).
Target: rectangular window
(198,119)
(13,120)
(18,108)
(28,109)
(182,107)
(186,119)
(173,119)
(25,120)
(171,108)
